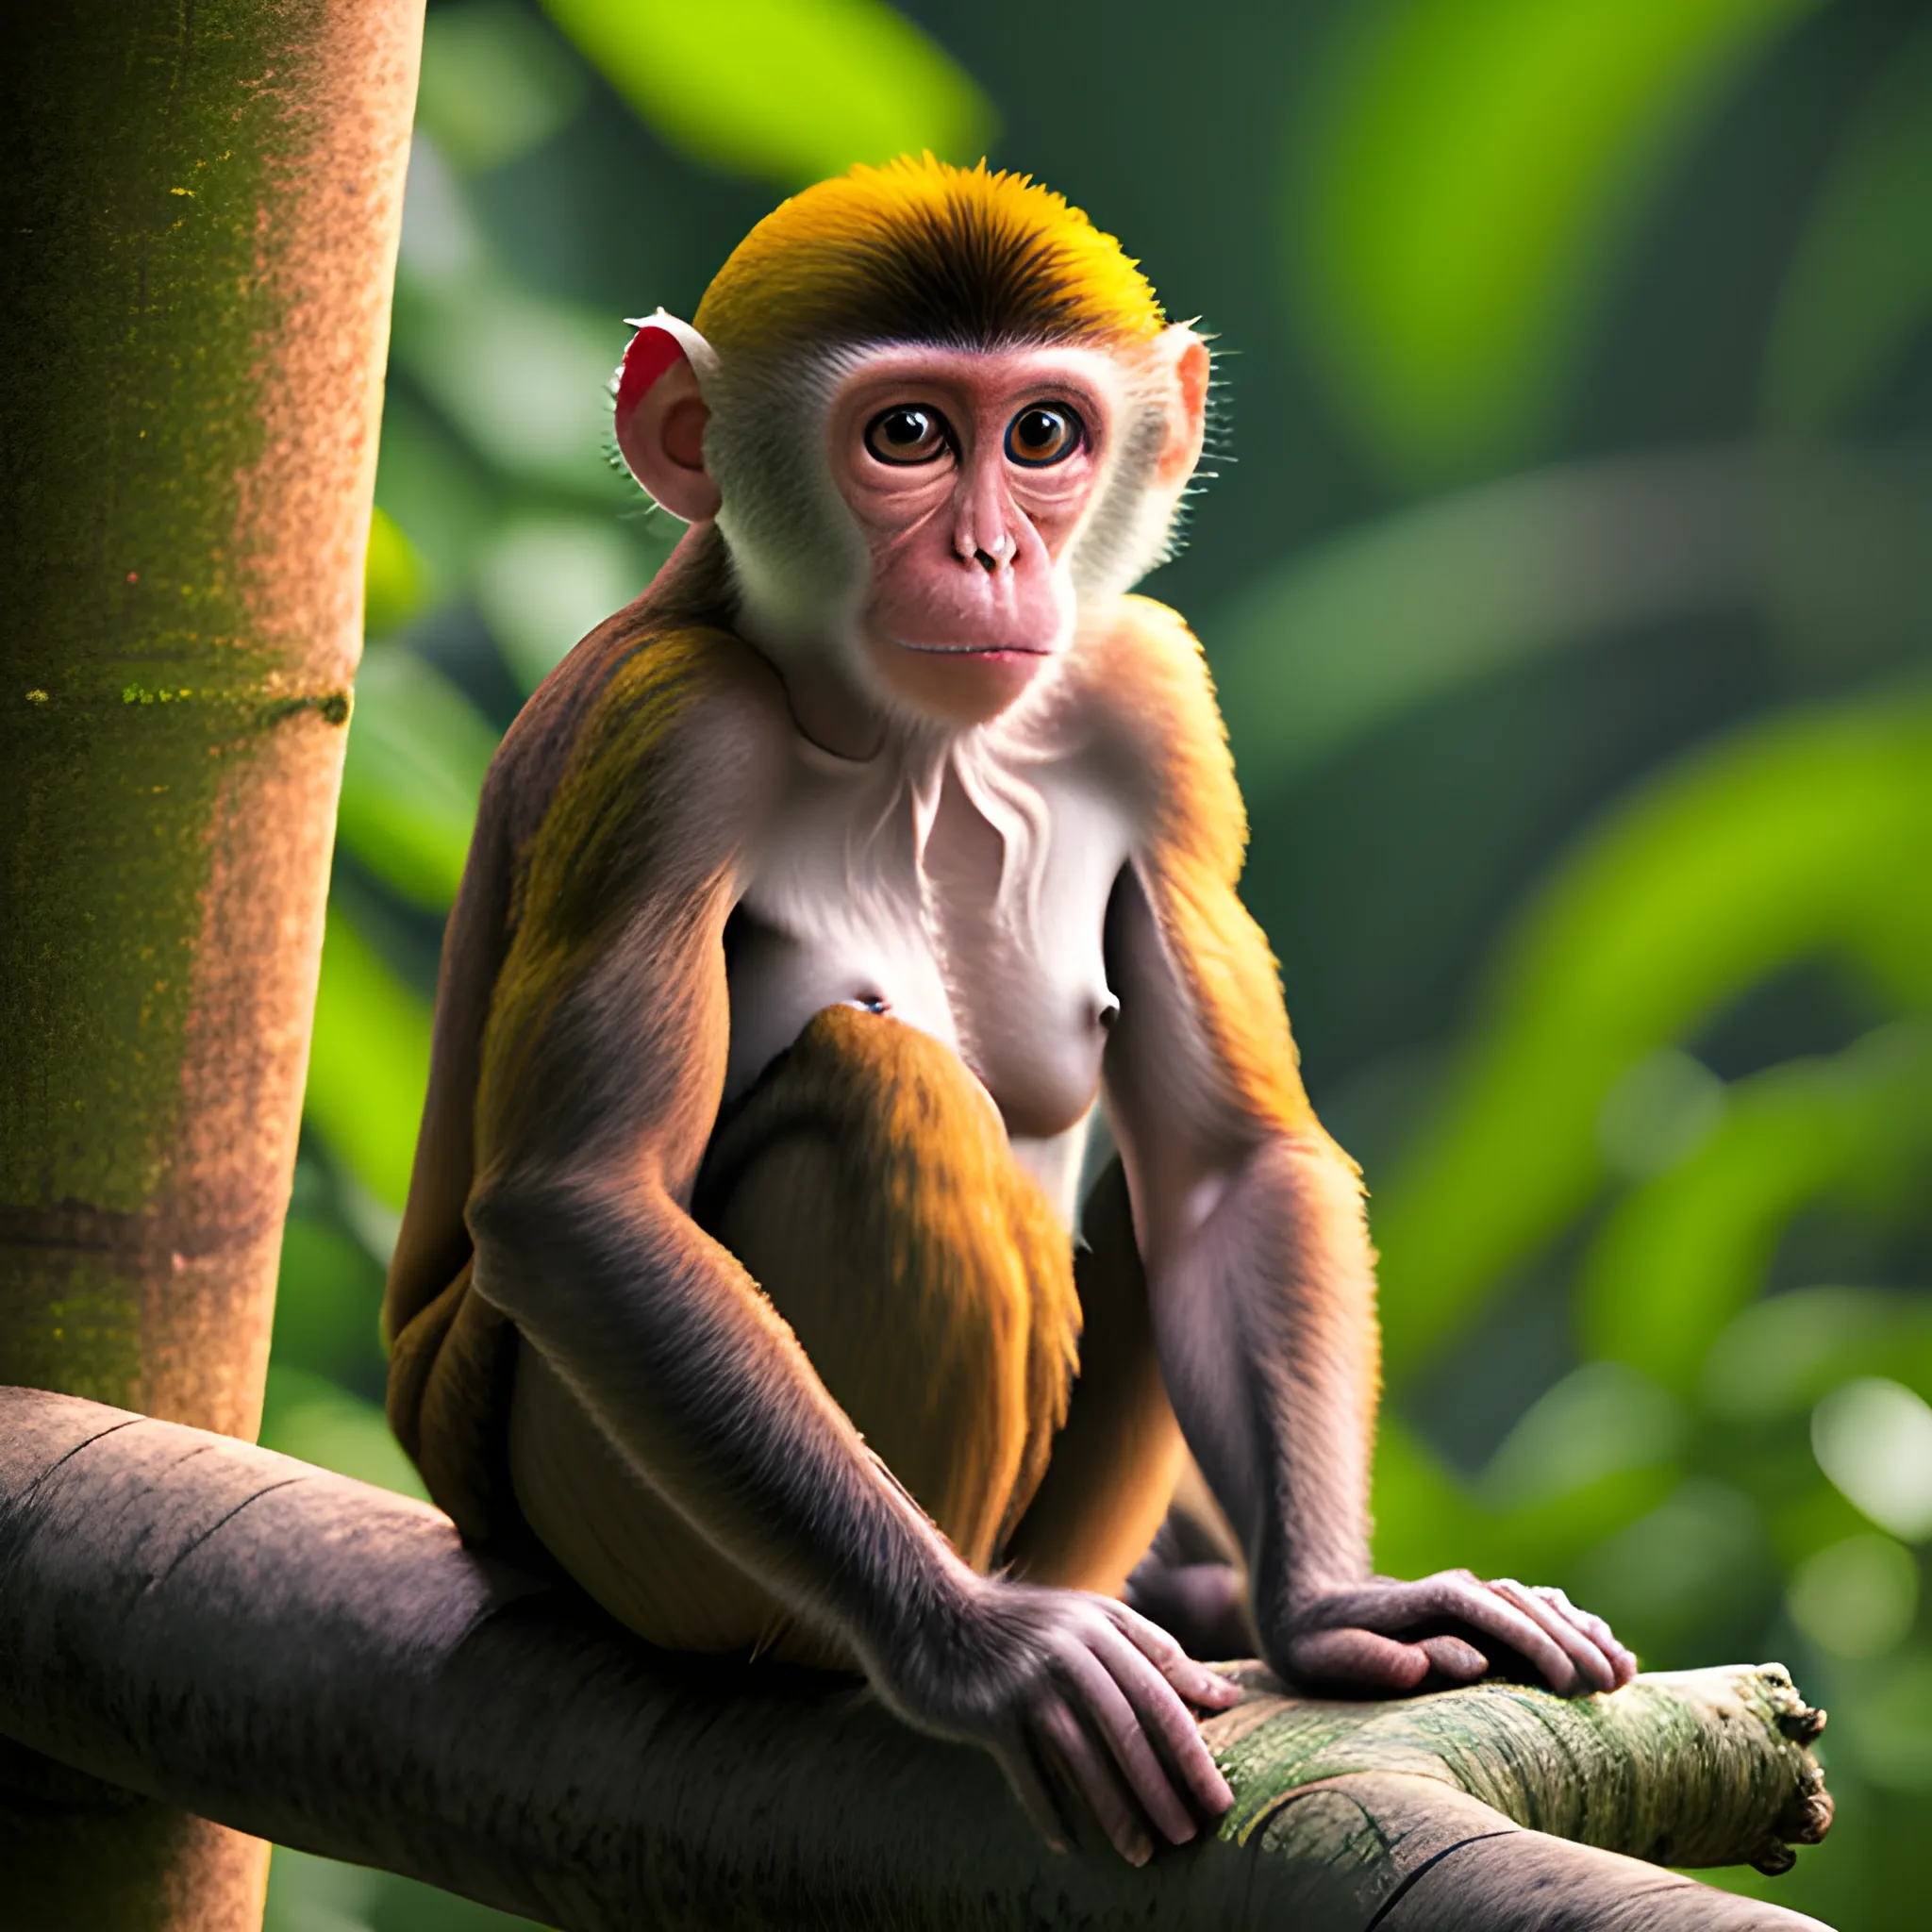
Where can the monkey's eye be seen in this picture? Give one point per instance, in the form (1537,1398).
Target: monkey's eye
(1042,434)
(908,433)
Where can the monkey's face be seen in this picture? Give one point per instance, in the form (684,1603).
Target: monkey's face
(925,518)
(969,475)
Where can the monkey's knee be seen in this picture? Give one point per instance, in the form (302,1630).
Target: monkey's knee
(868,1186)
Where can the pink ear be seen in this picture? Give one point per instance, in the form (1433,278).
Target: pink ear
(660,414)
(652,351)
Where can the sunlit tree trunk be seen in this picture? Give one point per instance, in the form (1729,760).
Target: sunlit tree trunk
(202,204)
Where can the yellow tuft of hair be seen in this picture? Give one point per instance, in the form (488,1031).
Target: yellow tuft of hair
(923,251)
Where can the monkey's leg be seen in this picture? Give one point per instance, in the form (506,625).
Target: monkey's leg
(867,1185)
(1123,1510)
(1115,1464)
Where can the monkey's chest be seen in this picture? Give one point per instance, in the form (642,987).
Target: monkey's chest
(981,925)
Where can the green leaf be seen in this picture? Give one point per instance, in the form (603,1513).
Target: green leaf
(1827,545)
(313,1894)
(396,584)
(546,580)
(525,378)
(1381,619)
(1698,1559)
(1678,1256)
(788,91)
(368,1064)
(434,487)
(1859,289)
(1804,836)
(418,750)
(1783,1354)
(1601,1420)
(1426,1520)
(495,83)
(1472,167)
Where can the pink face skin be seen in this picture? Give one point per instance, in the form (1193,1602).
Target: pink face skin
(968,523)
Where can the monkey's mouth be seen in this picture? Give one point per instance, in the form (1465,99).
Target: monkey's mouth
(983,652)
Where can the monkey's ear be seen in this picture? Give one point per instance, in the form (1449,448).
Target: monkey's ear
(661,415)
(1184,355)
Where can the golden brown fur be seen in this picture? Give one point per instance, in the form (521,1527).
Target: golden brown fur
(795,1372)
(567,819)
(868,1186)
(904,1256)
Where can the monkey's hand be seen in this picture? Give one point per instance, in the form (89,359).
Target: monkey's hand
(1077,1698)
(1382,1636)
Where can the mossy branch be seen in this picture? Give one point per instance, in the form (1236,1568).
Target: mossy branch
(1687,1768)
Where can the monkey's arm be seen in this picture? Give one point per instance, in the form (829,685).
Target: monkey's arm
(1262,1289)
(1250,1224)
(602,1066)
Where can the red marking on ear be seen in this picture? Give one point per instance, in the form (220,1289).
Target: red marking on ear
(652,351)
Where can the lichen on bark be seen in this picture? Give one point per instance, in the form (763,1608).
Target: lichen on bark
(1688,1767)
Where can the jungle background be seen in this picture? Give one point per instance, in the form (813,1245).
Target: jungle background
(1567,572)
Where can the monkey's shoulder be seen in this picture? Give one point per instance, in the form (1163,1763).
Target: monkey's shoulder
(1140,675)
(681,720)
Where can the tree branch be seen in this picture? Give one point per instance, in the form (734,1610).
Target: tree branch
(308,1658)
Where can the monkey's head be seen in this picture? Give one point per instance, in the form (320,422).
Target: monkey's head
(930,409)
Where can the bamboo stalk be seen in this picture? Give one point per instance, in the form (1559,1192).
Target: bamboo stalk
(202,203)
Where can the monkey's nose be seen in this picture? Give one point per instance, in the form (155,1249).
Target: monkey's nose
(991,554)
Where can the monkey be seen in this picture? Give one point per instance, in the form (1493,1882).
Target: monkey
(818,905)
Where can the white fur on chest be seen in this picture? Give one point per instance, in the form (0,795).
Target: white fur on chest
(968,896)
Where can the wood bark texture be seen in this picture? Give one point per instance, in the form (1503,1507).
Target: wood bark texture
(301,1657)
(202,207)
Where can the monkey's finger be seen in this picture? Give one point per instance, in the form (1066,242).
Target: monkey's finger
(1622,1658)
(1358,1657)
(1452,1659)
(1106,1708)
(1490,1614)
(1162,1715)
(1065,1739)
(1194,1681)
(1014,1757)
(1593,1670)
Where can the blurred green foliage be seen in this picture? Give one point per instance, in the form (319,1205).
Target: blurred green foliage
(1472,165)
(412,777)
(787,91)
(1571,598)
(1789,842)
(1860,292)
(369,1065)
